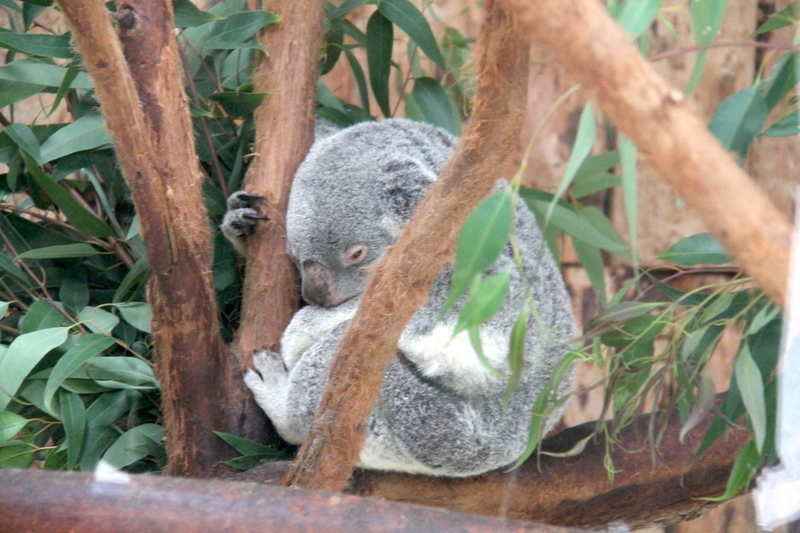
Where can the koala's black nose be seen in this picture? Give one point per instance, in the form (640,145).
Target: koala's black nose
(318,285)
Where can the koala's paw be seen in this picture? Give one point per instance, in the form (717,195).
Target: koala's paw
(270,371)
(241,219)
(269,383)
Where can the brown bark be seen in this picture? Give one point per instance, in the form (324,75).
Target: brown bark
(400,284)
(647,488)
(284,133)
(598,54)
(152,133)
(56,502)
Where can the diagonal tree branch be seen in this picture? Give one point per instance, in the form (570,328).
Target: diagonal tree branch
(599,54)
(400,284)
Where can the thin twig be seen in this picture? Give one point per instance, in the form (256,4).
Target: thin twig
(692,49)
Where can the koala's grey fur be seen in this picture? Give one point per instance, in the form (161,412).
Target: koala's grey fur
(440,411)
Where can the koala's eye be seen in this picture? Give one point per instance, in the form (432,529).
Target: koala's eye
(355,255)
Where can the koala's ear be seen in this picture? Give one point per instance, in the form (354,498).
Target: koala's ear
(405,184)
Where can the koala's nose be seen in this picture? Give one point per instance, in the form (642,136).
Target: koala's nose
(318,285)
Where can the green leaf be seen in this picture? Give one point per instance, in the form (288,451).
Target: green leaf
(744,468)
(695,250)
(83,220)
(435,105)
(236,104)
(781,80)
(10,424)
(516,351)
(134,277)
(703,404)
(785,17)
(630,194)
(485,299)
(73,416)
(231,32)
(592,184)
(106,409)
(134,444)
(38,45)
(74,291)
(8,266)
(637,15)
(86,133)
(345,7)
(137,314)
(738,120)
(409,19)
(62,251)
(361,81)
(480,242)
(41,315)
(706,21)
(39,73)
(786,127)
(12,92)
(98,320)
(592,260)
(127,370)
(23,354)
(25,139)
(188,15)
(85,347)
(751,386)
(245,446)
(584,140)
(380,39)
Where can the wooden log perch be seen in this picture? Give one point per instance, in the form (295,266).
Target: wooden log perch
(599,55)
(61,502)
(147,115)
(648,488)
(401,283)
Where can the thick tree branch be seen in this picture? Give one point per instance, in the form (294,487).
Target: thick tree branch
(284,134)
(401,283)
(166,187)
(648,486)
(598,54)
(62,502)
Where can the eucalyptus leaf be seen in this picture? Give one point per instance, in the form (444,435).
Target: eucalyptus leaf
(751,387)
(133,445)
(245,446)
(86,133)
(62,251)
(23,354)
(137,314)
(637,15)
(695,250)
(738,119)
(38,44)
(10,425)
(485,299)
(85,347)
(73,416)
(409,19)
(480,242)
(98,320)
(435,105)
(40,73)
(380,39)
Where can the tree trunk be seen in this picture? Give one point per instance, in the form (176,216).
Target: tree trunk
(400,284)
(148,118)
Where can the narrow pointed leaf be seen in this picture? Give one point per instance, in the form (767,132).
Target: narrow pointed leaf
(86,133)
(86,347)
(409,19)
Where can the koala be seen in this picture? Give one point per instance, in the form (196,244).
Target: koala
(440,411)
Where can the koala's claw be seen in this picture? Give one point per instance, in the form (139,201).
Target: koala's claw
(242,199)
(251,216)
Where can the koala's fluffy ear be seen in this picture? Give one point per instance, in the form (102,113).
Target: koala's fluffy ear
(405,185)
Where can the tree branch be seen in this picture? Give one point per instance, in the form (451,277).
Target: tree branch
(284,134)
(192,365)
(599,54)
(648,487)
(65,502)
(401,283)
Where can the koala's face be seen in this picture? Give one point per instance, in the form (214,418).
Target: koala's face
(350,199)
